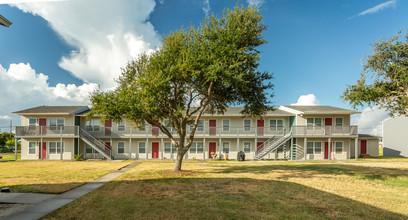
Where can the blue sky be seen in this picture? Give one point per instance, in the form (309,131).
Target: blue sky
(56,52)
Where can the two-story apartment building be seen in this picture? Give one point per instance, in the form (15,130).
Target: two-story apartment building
(290,132)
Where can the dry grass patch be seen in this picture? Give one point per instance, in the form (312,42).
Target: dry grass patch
(53,176)
(267,190)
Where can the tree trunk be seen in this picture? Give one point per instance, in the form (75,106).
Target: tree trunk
(179,160)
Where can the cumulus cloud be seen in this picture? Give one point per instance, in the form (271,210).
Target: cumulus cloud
(377,8)
(309,99)
(105,34)
(27,1)
(369,121)
(256,3)
(23,88)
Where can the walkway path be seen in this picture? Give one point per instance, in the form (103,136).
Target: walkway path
(48,203)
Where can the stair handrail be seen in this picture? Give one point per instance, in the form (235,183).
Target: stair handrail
(96,142)
(276,140)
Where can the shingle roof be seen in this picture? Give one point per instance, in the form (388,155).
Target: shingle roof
(320,109)
(46,110)
(4,21)
(368,136)
(236,111)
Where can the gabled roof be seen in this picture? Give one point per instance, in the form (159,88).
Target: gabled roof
(236,111)
(368,136)
(317,110)
(4,21)
(53,110)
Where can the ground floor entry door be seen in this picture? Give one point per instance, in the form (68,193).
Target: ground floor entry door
(258,145)
(326,150)
(155,150)
(363,146)
(42,149)
(212,149)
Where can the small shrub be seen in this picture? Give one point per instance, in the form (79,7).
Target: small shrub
(5,150)
(78,157)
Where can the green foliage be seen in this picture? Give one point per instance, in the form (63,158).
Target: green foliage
(4,137)
(198,69)
(388,68)
(5,150)
(78,157)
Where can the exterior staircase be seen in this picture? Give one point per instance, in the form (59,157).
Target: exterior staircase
(272,144)
(96,144)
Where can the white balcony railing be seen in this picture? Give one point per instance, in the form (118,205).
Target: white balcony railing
(324,130)
(46,131)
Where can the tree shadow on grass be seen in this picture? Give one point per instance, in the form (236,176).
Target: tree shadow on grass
(216,198)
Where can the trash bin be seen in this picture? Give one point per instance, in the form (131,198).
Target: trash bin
(241,156)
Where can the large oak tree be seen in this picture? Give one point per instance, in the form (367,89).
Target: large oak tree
(384,80)
(198,70)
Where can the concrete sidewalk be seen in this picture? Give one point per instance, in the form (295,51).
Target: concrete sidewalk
(53,202)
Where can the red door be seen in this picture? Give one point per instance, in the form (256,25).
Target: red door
(43,150)
(108,126)
(258,145)
(260,125)
(326,150)
(107,147)
(155,150)
(42,122)
(363,146)
(327,123)
(213,127)
(155,130)
(212,148)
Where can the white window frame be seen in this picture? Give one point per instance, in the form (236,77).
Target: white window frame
(168,148)
(196,147)
(56,126)
(87,146)
(35,147)
(121,125)
(92,126)
(335,122)
(247,142)
(229,147)
(124,147)
(224,128)
(169,125)
(57,148)
(313,125)
(275,127)
(335,147)
(199,128)
(35,124)
(250,123)
(314,147)
(144,148)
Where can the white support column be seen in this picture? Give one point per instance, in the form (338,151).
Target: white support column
(162,151)
(304,148)
(203,148)
(41,147)
(238,147)
(330,150)
(219,148)
(130,148)
(62,149)
(147,148)
(356,148)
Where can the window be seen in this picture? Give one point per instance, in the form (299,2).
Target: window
(339,147)
(173,149)
(55,147)
(314,147)
(31,147)
(200,125)
(276,125)
(318,147)
(142,147)
(92,125)
(225,125)
(168,125)
(339,121)
(225,147)
(247,125)
(280,149)
(314,122)
(196,147)
(32,122)
(247,147)
(56,123)
(88,149)
(121,125)
(310,147)
(167,147)
(121,147)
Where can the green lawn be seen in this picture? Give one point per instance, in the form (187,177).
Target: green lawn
(53,176)
(10,156)
(363,189)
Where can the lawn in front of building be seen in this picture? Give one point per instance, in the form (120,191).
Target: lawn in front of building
(367,188)
(53,176)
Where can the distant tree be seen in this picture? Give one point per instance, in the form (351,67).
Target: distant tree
(197,70)
(388,70)
(4,137)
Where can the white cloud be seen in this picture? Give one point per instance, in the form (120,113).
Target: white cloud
(206,7)
(256,3)
(105,34)
(369,121)
(377,8)
(309,99)
(27,1)
(23,88)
